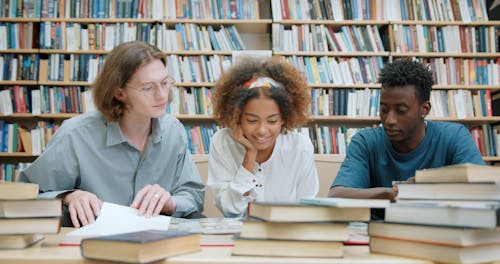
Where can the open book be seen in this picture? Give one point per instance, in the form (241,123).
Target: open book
(115,219)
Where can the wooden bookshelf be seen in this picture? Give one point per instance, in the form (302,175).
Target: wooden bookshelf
(256,34)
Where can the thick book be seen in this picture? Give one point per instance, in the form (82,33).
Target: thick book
(346,202)
(316,231)
(489,191)
(19,241)
(30,208)
(286,212)
(478,215)
(18,190)
(459,173)
(440,235)
(140,247)
(287,248)
(12,226)
(435,252)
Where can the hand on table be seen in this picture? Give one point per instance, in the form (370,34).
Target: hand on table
(152,200)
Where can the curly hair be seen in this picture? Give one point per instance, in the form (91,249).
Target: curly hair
(231,95)
(404,72)
(121,64)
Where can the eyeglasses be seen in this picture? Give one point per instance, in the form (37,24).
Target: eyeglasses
(149,89)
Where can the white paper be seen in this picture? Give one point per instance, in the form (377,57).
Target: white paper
(116,219)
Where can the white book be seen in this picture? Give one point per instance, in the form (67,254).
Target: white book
(2,66)
(93,70)
(84,37)
(88,102)
(70,37)
(13,71)
(36,141)
(109,37)
(346,202)
(3,41)
(6,102)
(36,102)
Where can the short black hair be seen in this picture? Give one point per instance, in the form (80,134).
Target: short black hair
(404,72)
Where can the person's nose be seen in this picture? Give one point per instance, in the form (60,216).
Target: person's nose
(391,118)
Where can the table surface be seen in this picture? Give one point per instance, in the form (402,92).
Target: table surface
(48,251)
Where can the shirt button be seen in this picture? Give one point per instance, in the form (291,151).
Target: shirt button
(260,185)
(256,185)
(253,180)
(260,169)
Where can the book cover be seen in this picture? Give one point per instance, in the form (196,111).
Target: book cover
(466,172)
(308,231)
(439,235)
(18,190)
(287,248)
(286,212)
(19,241)
(140,247)
(30,208)
(346,202)
(476,215)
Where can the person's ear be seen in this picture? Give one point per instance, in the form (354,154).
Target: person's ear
(120,94)
(425,109)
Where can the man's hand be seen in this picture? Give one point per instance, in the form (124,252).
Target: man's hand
(152,200)
(395,185)
(83,207)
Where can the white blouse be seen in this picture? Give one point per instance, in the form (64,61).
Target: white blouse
(288,175)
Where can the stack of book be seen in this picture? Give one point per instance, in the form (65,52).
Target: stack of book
(316,227)
(450,214)
(23,218)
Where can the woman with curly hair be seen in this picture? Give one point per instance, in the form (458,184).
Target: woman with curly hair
(258,157)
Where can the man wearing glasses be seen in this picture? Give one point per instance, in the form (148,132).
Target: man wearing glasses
(128,152)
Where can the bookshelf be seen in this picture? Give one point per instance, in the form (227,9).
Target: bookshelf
(350,40)
(466,69)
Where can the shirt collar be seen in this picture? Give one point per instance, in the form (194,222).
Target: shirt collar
(114,135)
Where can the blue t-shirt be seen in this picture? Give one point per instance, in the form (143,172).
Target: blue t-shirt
(371,161)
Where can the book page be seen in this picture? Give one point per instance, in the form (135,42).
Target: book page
(116,219)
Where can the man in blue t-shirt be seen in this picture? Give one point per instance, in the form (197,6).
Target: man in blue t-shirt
(405,142)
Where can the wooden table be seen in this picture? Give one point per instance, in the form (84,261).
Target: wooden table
(47,251)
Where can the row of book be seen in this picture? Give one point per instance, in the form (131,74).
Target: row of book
(365,103)
(19,138)
(427,10)
(464,71)
(24,219)
(365,70)
(458,104)
(53,67)
(150,9)
(9,172)
(46,100)
(326,38)
(435,219)
(336,70)
(71,36)
(422,38)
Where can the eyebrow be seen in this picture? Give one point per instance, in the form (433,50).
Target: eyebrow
(167,78)
(254,115)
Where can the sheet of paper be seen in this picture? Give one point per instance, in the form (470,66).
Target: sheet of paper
(116,219)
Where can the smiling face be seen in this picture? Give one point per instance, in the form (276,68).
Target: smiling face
(261,123)
(147,91)
(402,115)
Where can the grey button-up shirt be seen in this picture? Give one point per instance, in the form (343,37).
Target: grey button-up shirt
(87,153)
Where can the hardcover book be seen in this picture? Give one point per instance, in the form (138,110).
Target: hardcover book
(287,248)
(286,212)
(19,241)
(316,231)
(18,190)
(30,208)
(140,247)
(459,173)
